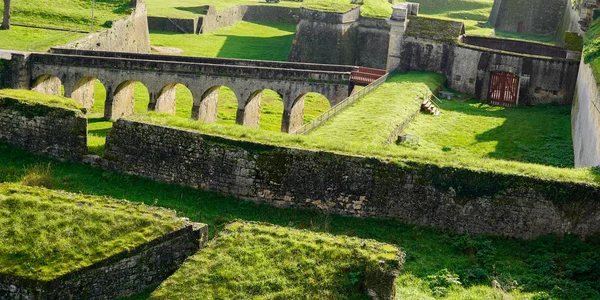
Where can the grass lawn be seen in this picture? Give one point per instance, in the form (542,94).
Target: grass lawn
(246,40)
(68,14)
(45,234)
(33,39)
(540,134)
(38,100)
(261,261)
(563,267)
(373,118)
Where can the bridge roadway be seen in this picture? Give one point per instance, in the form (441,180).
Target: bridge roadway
(77,71)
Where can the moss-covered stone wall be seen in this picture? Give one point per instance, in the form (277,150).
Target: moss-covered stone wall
(121,275)
(57,132)
(460,200)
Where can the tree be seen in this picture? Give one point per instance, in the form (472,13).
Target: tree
(6,19)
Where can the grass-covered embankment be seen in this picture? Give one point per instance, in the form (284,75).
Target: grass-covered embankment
(438,265)
(45,234)
(373,118)
(536,134)
(37,101)
(261,261)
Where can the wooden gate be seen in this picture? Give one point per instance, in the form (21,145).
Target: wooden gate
(504,89)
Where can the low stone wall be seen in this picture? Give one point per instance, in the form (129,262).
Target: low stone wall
(515,46)
(56,132)
(460,200)
(585,118)
(126,35)
(121,275)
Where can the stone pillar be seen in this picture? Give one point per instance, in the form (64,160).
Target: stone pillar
(83,92)
(121,102)
(250,114)
(293,118)
(47,84)
(206,110)
(398,22)
(164,101)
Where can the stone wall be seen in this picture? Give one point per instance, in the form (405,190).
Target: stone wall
(373,43)
(121,275)
(126,35)
(468,68)
(326,37)
(56,132)
(174,25)
(585,118)
(14,72)
(214,20)
(538,17)
(447,198)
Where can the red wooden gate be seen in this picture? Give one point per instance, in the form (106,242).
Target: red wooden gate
(504,89)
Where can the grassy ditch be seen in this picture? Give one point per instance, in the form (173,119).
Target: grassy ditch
(251,260)
(45,234)
(438,264)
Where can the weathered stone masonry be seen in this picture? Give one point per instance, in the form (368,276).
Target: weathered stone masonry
(121,275)
(451,199)
(56,132)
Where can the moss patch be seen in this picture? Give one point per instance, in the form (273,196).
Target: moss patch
(260,261)
(45,234)
(34,104)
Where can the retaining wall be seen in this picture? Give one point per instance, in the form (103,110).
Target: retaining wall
(585,118)
(451,199)
(129,272)
(253,13)
(56,132)
(126,35)
(174,25)
(468,68)
(538,17)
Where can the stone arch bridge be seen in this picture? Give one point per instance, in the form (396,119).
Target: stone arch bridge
(77,71)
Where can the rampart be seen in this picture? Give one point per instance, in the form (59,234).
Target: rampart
(214,20)
(586,119)
(453,199)
(537,17)
(129,34)
(121,275)
(57,132)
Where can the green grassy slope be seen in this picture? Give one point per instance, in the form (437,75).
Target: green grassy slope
(540,134)
(265,41)
(563,267)
(373,118)
(45,234)
(260,261)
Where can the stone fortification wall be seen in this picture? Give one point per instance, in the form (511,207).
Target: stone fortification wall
(14,71)
(538,17)
(214,20)
(469,67)
(515,46)
(444,197)
(586,119)
(325,37)
(126,35)
(174,25)
(373,43)
(56,132)
(121,275)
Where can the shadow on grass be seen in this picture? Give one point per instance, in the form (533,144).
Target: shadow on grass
(261,48)
(199,10)
(539,134)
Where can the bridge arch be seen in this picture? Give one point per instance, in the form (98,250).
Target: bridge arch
(294,116)
(47,84)
(87,90)
(173,98)
(261,109)
(219,102)
(122,102)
